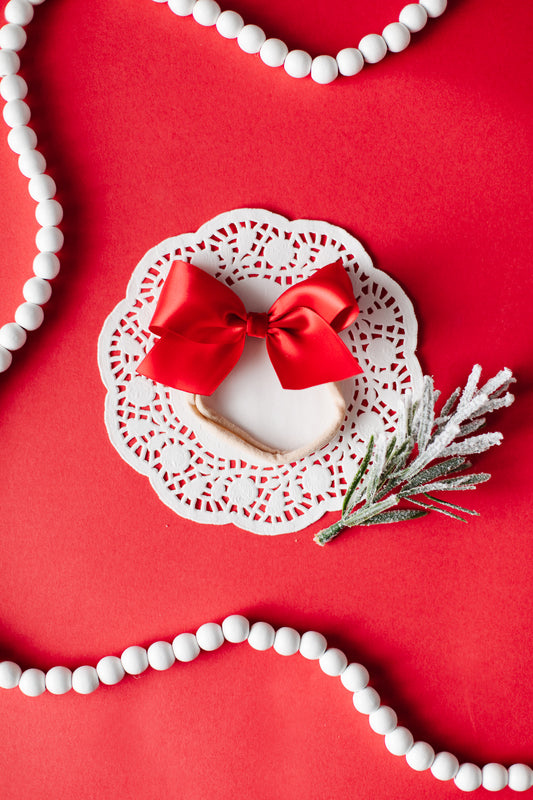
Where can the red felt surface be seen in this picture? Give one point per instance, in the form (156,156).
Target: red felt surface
(151,125)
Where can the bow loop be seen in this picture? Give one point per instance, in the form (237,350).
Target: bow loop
(203,325)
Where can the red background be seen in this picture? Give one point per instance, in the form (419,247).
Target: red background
(151,125)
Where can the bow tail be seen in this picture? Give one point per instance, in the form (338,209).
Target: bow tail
(310,354)
(197,367)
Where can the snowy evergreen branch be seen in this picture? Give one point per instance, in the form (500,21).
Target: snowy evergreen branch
(425,455)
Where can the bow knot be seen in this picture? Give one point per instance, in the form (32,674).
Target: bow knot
(257,324)
(203,325)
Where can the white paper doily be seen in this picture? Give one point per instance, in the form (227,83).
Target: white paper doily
(153,427)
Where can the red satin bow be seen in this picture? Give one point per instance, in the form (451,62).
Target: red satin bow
(203,325)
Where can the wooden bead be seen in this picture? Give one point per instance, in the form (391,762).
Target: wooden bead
(134,660)
(313,645)
(383,720)
(49,239)
(161,656)
(49,212)
(399,741)
(373,48)
(273,52)
(9,674)
(21,138)
(58,680)
(37,290)
(19,12)
(12,37)
(229,24)
(366,701)
(355,677)
(520,777)
(251,38)
(434,7)
(298,64)
(31,163)
(333,662)
(468,777)
(13,87)
(16,112)
(41,187)
(85,680)
(261,636)
(286,641)
(396,36)
(350,61)
(209,636)
(413,16)
(110,670)
(494,777)
(206,12)
(445,766)
(420,756)
(235,628)
(324,69)
(186,647)
(46,265)
(29,316)
(12,336)
(32,682)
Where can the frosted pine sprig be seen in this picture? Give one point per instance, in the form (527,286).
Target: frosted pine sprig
(425,455)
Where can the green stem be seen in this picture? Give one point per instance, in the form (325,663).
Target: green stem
(326,535)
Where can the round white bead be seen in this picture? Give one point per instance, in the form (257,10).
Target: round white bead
(420,756)
(12,336)
(397,36)
(49,240)
(413,16)
(134,660)
(58,680)
(373,48)
(251,38)
(350,61)
(19,12)
(273,52)
(16,112)
(261,636)
(445,766)
(209,636)
(434,7)
(12,37)
(9,674)
(21,138)
(333,662)
(161,656)
(31,163)
(36,2)
(494,777)
(186,647)
(399,741)
(46,265)
(312,645)
(5,359)
(181,7)
(42,187)
(206,12)
(468,777)
(520,777)
(366,701)
(324,69)
(37,290)
(49,212)
(383,720)
(286,641)
(9,64)
(32,682)
(110,670)
(355,677)
(297,64)
(85,680)
(29,316)
(235,628)
(13,87)
(229,24)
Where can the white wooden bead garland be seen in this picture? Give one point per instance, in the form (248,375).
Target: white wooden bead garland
(22,140)
(286,641)
(298,63)
(37,291)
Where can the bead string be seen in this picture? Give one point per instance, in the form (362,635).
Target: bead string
(313,646)
(372,48)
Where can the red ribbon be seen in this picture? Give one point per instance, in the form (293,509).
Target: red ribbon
(203,325)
